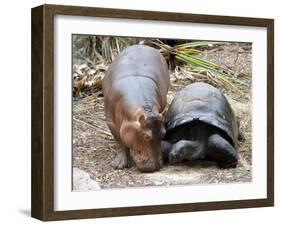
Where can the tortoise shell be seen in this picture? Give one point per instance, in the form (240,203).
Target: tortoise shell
(202,102)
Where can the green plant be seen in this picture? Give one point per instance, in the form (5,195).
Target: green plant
(197,66)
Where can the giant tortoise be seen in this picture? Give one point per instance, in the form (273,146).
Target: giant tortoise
(200,124)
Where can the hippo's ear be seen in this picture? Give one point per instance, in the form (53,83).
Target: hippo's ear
(163,114)
(141,120)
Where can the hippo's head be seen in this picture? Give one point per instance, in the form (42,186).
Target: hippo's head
(146,150)
(144,139)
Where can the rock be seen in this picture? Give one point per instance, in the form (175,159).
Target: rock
(240,109)
(174,175)
(157,183)
(83,182)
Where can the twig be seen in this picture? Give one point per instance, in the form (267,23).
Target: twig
(244,162)
(237,55)
(93,127)
(85,58)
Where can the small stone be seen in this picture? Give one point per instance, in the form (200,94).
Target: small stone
(157,183)
(83,182)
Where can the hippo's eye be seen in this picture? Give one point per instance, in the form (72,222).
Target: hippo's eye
(146,137)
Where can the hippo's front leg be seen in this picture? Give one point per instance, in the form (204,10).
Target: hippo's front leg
(122,158)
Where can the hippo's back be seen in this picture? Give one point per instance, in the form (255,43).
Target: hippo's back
(138,71)
(138,61)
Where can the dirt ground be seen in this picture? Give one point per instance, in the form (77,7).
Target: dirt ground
(94,147)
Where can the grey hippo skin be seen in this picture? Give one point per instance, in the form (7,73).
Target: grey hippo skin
(135,89)
(200,124)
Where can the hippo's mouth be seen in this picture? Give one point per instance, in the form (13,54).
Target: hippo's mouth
(149,166)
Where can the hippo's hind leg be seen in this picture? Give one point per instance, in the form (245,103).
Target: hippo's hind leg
(122,158)
(185,150)
(221,151)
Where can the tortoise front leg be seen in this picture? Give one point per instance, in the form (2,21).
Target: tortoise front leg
(185,150)
(221,151)
(166,148)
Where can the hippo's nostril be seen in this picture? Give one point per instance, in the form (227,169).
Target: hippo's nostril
(148,170)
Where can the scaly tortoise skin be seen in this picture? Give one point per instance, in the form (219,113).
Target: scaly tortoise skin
(200,124)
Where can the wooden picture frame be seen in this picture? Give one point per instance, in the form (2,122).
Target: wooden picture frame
(42,203)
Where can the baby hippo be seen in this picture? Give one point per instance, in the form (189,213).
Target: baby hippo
(135,89)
